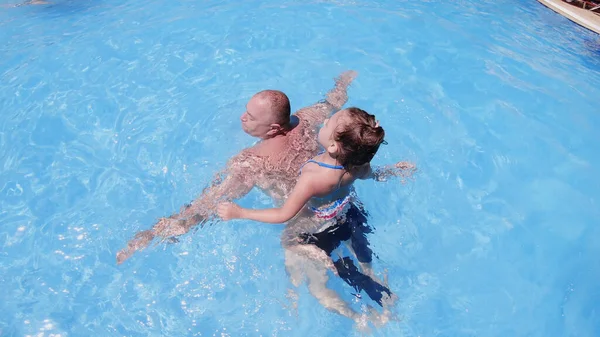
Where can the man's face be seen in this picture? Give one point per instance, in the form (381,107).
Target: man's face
(256,120)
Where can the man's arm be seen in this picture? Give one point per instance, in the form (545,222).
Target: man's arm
(334,101)
(232,183)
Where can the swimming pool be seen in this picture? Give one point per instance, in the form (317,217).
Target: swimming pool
(115,113)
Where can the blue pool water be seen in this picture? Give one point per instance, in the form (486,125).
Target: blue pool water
(115,113)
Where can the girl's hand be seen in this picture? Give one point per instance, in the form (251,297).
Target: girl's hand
(228,211)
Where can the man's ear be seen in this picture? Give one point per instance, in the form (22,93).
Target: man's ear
(275,129)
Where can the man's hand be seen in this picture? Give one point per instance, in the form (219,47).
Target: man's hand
(405,166)
(228,211)
(401,169)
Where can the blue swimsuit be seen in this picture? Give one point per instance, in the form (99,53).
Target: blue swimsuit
(332,209)
(354,227)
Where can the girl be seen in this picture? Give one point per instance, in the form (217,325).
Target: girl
(324,193)
(350,139)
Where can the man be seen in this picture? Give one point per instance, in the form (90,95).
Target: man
(287,141)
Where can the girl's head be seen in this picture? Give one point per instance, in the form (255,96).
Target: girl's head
(352,136)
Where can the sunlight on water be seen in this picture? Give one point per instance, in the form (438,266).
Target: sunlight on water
(115,114)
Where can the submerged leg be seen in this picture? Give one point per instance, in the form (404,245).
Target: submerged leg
(316,254)
(293,266)
(330,299)
(385,298)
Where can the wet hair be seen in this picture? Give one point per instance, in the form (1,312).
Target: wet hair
(279,104)
(358,138)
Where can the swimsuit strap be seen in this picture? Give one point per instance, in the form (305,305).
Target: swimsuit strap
(334,167)
(329,166)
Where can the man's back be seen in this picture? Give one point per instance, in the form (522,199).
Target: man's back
(277,160)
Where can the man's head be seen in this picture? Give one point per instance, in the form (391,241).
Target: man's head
(267,114)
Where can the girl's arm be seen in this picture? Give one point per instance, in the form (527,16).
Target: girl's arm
(303,191)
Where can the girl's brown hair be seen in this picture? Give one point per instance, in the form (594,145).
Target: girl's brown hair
(359,138)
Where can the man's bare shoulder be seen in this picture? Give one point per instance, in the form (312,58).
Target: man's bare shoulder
(273,146)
